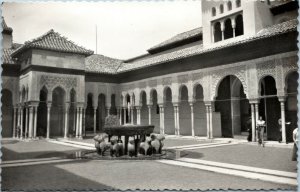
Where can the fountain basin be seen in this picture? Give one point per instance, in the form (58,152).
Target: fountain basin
(128,130)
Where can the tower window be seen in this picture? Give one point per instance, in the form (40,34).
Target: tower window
(228,33)
(213,11)
(238,3)
(239,29)
(229,6)
(221,8)
(217,32)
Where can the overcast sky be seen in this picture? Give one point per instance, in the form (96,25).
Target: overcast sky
(125,29)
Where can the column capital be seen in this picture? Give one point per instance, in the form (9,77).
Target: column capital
(138,107)
(49,104)
(191,104)
(175,104)
(281,98)
(254,101)
(208,103)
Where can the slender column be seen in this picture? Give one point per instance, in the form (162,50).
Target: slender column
(283,128)
(77,122)
(222,29)
(211,136)
(192,119)
(95,118)
(21,122)
(48,119)
(14,122)
(119,113)
(26,122)
(138,115)
(80,122)
(66,120)
(176,119)
(30,122)
(253,122)
(83,124)
(161,119)
(256,118)
(124,109)
(131,115)
(35,121)
(107,111)
(149,114)
(207,121)
(233,26)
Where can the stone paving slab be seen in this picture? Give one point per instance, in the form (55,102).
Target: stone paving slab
(248,155)
(124,175)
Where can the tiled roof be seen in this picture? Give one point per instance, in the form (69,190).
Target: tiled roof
(179,37)
(55,42)
(199,49)
(101,64)
(7,56)
(5,27)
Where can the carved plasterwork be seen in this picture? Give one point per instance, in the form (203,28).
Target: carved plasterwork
(52,81)
(266,68)
(197,76)
(183,79)
(142,84)
(152,83)
(7,83)
(289,65)
(167,81)
(217,76)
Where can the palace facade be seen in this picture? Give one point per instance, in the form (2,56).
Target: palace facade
(210,81)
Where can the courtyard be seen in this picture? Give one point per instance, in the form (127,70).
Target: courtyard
(201,164)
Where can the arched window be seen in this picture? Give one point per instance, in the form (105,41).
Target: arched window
(229,5)
(239,29)
(221,8)
(238,3)
(217,32)
(228,33)
(213,11)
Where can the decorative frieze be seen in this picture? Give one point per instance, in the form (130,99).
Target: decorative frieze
(50,81)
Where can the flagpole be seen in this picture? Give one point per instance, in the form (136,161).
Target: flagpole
(96,40)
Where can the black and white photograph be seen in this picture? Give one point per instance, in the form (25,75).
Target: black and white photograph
(149,95)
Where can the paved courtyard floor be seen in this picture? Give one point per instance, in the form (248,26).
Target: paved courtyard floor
(42,165)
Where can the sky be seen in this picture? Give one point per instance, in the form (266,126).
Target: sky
(125,29)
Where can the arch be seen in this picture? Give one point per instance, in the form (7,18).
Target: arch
(200,120)
(221,8)
(143,97)
(233,106)
(213,11)
(183,91)
(291,108)
(113,107)
(184,111)
(89,113)
(229,6)
(42,113)
(228,33)
(237,3)
(269,106)
(217,32)
(101,112)
(239,29)
(57,111)
(72,113)
(219,80)
(7,113)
